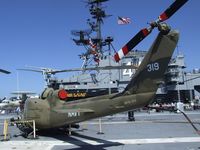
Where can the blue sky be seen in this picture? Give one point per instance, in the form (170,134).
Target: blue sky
(37,33)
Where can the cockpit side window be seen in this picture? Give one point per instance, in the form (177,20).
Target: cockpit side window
(47,92)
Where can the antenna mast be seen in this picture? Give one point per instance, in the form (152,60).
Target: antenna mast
(94,45)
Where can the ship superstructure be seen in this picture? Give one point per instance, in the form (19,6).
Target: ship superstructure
(100,82)
(180,85)
(98,53)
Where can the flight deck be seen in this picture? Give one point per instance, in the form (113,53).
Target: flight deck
(149,131)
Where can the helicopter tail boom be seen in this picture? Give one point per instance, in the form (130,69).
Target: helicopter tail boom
(152,69)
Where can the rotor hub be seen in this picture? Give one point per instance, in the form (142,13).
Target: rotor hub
(164,28)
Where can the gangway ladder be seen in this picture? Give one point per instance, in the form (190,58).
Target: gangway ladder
(30,123)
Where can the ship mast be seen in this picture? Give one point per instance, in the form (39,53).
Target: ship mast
(97,13)
(93,44)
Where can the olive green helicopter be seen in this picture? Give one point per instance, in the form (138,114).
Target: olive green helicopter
(53,110)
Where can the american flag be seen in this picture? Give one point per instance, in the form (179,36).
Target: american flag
(123,20)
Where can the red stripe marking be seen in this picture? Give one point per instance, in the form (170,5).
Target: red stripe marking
(163,17)
(125,50)
(145,31)
(116,56)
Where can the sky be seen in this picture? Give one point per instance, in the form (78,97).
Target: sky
(38,33)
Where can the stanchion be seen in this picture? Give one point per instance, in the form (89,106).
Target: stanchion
(84,124)
(100,127)
(34,134)
(70,132)
(5,131)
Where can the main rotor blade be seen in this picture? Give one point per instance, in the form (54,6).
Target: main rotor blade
(23,92)
(172,9)
(5,71)
(97,68)
(132,43)
(33,70)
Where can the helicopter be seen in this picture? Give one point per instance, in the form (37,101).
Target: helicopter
(49,72)
(53,110)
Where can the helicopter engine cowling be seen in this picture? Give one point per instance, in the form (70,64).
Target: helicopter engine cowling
(49,93)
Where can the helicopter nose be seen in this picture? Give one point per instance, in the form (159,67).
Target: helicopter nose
(32,103)
(31,108)
(38,110)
